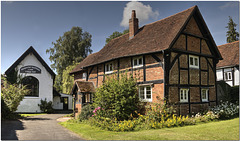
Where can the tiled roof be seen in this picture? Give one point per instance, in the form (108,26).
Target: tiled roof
(85,86)
(230,54)
(153,37)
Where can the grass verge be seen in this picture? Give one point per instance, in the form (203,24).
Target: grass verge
(30,115)
(218,130)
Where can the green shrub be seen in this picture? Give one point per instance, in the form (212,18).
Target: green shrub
(12,94)
(234,94)
(86,112)
(118,96)
(45,106)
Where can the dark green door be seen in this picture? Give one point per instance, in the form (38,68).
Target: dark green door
(65,103)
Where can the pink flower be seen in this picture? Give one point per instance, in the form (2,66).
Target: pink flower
(94,111)
(99,108)
(92,115)
(95,114)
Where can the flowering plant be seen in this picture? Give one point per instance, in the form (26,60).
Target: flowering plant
(226,110)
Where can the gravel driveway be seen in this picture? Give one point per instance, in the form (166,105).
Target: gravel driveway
(41,127)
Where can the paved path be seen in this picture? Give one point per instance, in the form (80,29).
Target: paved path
(41,127)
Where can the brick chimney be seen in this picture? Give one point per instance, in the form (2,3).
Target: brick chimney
(133,25)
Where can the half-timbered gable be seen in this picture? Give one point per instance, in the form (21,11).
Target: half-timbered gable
(173,58)
(228,68)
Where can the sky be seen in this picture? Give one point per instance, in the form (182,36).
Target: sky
(38,24)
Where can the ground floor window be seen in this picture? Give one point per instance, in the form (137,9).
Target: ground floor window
(184,95)
(145,93)
(204,93)
(32,84)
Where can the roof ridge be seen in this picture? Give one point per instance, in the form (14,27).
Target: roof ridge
(172,15)
(228,43)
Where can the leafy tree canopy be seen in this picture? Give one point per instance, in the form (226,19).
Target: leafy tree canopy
(68,80)
(115,35)
(232,34)
(73,46)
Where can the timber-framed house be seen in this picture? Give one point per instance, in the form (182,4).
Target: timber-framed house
(175,58)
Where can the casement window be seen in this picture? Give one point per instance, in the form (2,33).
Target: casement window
(193,61)
(137,62)
(87,98)
(184,95)
(108,68)
(145,93)
(32,84)
(84,75)
(228,75)
(204,93)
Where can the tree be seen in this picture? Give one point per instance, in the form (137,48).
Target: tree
(115,35)
(68,80)
(12,94)
(73,46)
(232,34)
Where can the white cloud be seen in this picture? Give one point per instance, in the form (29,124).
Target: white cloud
(143,13)
(228,5)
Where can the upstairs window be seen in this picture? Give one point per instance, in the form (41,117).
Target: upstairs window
(137,62)
(109,68)
(193,61)
(84,75)
(184,95)
(145,93)
(204,93)
(228,75)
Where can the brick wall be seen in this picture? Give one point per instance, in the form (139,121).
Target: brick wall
(182,76)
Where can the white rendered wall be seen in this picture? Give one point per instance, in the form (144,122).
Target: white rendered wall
(236,76)
(30,104)
(57,103)
(219,75)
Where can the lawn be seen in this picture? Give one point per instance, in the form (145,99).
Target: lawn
(218,130)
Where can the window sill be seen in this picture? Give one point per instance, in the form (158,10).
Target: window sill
(109,72)
(205,101)
(192,67)
(183,102)
(145,100)
(139,66)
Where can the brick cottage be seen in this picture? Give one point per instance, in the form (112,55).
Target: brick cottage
(175,57)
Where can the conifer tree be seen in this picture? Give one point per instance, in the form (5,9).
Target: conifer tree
(232,34)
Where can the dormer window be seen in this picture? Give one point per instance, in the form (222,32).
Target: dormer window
(193,61)
(137,62)
(108,68)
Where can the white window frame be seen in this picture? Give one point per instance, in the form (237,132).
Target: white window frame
(137,65)
(107,67)
(207,91)
(185,95)
(229,73)
(145,93)
(84,75)
(194,65)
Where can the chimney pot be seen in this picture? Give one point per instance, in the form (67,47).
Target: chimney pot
(133,25)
